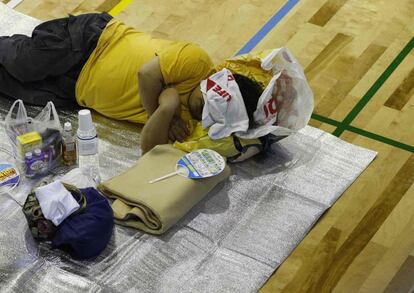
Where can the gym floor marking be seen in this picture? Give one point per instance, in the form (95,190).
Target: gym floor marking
(345,124)
(117,9)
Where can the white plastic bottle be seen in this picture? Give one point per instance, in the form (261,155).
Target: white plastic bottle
(87,145)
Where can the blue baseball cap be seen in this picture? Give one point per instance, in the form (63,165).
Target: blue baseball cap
(86,234)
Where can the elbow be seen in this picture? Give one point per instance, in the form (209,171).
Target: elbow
(141,74)
(146,74)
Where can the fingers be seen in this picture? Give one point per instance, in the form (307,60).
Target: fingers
(181,133)
(176,135)
(178,130)
(181,128)
(184,128)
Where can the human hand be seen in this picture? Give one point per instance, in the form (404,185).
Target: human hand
(178,129)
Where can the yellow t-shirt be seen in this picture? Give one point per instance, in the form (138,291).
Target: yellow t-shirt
(108,82)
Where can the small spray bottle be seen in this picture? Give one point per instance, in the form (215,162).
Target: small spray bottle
(69,149)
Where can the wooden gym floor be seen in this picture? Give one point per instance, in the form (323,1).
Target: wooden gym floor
(359,60)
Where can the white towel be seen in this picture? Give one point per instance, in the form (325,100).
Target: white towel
(56,202)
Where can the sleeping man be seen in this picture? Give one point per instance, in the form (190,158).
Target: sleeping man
(97,62)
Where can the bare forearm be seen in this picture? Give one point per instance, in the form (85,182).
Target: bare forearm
(156,129)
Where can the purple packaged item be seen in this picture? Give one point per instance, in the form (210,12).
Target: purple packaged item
(37,162)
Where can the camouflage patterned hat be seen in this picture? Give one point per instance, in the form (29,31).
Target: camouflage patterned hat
(41,228)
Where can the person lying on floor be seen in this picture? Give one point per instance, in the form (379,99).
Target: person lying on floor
(98,62)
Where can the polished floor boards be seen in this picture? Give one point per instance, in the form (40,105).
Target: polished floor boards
(360,64)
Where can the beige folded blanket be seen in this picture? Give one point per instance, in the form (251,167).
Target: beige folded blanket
(154,208)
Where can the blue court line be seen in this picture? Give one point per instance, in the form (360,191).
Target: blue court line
(268,27)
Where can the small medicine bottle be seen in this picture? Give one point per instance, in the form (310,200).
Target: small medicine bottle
(28,156)
(37,166)
(37,153)
(45,163)
(69,150)
(27,162)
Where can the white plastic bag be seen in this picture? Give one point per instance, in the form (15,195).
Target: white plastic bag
(286,104)
(48,127)
(47,118)
(19,123)
(224,111)
(80,178)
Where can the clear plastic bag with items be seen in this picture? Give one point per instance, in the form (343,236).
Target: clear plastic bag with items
(36,141)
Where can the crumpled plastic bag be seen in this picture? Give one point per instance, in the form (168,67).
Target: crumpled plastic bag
(286,104)
(224,112)
(80,178)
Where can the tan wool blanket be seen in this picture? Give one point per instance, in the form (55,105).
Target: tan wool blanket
(154,208)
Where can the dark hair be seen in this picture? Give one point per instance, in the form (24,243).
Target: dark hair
(251,92)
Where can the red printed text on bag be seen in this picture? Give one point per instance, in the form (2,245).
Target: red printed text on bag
(218,89)
(270,108)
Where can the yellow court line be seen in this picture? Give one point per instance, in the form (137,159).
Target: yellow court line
(119,7)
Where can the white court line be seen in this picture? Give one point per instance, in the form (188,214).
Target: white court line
(14,3)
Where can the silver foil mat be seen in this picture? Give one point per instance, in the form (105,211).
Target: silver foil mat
(13,22)
(232,241)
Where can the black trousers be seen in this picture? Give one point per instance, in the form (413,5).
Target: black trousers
(45,66)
